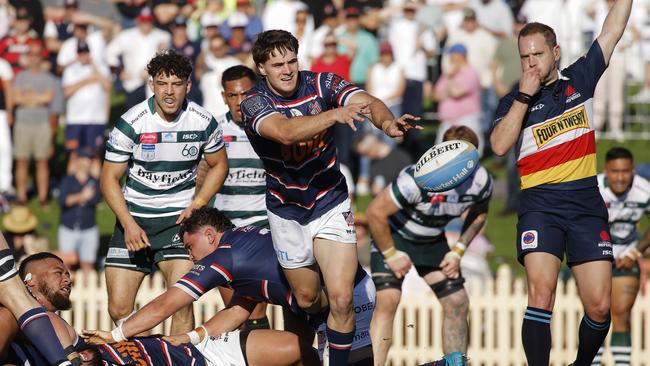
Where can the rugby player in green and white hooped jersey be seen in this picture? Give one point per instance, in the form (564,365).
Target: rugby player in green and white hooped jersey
(160,142)
(242,197)
(627,197)
(407,225)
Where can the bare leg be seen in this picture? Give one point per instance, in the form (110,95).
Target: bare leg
(42,180)
(22,167)
(122,286)
(173,270)
(455,329)
(287,349)
(381,326)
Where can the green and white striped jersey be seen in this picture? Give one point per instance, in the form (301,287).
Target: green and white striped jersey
(243,195)
(423,215)
(162,156)
(625,210)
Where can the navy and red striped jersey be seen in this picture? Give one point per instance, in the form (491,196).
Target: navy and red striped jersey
(303,179)
(143,351)
(244,261)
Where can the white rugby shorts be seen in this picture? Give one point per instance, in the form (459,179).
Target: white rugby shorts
(222,350)
(294,243)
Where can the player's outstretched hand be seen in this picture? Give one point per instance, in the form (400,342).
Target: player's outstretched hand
(352,112)
(135,238)
(177,339)
(450,265)
(97,337)
(400,263)
(399,126)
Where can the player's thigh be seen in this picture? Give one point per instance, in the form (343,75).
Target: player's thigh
(174,269)
(122,285)
(272,347)
(624,292)
(588,238)
(338,264)
(541,232)
(594,281)
(292,241)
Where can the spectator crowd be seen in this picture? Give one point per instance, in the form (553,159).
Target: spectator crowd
(63,62)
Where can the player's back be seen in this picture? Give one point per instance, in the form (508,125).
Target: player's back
(150,351)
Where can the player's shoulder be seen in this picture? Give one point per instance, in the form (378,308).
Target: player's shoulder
(641,185)
(600,178)
(482,177)
(137,114)
(197,112)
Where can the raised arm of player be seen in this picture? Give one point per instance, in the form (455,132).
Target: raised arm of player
(379,209)
(215,175)
(614,26)
(383,118)
(134,237)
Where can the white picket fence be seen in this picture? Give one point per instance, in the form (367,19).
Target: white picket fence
(496,312)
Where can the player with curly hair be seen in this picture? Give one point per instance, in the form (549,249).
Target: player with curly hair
(160,141)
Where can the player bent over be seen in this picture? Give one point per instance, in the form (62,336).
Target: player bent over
(407,225)
(289,117)
(561,210)
(33,321)
(627,197)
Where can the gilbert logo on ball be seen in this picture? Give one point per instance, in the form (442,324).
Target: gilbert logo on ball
(446,165)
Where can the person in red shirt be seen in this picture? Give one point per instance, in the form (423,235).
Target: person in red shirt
(16,45)
(331,60)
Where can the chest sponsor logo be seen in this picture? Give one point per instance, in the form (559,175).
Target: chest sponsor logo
(571,94)
(169,137)
(189,136)
(570,120)
(244,176)
(168,179)
(149,138)
(148,152)
(529,239)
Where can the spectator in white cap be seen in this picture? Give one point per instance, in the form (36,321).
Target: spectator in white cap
(81,32)
(136,46)
(254,22)
(209,67)
(240,45)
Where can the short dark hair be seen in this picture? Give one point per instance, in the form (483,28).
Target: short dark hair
(618,152)
(22,270)
(273,40)
(547,32)
(461,133)
(237,72)
(205,216)
(170,62)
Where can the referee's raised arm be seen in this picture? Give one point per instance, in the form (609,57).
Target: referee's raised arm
(614,26)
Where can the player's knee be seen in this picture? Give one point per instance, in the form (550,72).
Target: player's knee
(340,301)
(456,304)
(598,310)
(541,297)
(118,311)
(387,303)
(307,298)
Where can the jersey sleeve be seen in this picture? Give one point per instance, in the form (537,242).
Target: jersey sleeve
(214,141)
(485,193)
(121,142)
(334,89)
(255,109)
(588,69)
(404,191)
(210,272)
(502,109)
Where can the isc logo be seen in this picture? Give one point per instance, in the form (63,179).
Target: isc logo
(190,136)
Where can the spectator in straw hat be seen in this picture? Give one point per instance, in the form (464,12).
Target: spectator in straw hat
(19,226)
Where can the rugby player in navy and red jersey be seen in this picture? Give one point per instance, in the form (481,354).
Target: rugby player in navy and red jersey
(289,117)
(561,209)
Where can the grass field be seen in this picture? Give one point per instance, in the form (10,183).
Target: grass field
(500,230)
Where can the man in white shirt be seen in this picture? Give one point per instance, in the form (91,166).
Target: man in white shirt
(136,46)
(86,85)
(93,38)
(495,16)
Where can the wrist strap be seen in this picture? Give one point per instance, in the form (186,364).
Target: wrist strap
(523,98)
(117,334)
(390,252)
(459,248)
(194,337)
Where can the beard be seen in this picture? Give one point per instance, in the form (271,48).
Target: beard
(58,300)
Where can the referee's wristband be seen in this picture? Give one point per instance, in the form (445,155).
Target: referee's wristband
(523,98)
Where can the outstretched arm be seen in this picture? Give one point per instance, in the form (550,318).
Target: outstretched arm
(614,26)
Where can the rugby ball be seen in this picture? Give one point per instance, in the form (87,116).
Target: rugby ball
(446,165)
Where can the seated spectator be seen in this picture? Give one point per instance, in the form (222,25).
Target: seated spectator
(86,87)
(78,232)
(458,93)
(386,80)
(385,161)
(331,60)
(19,225)
(209,67)
(32,93)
